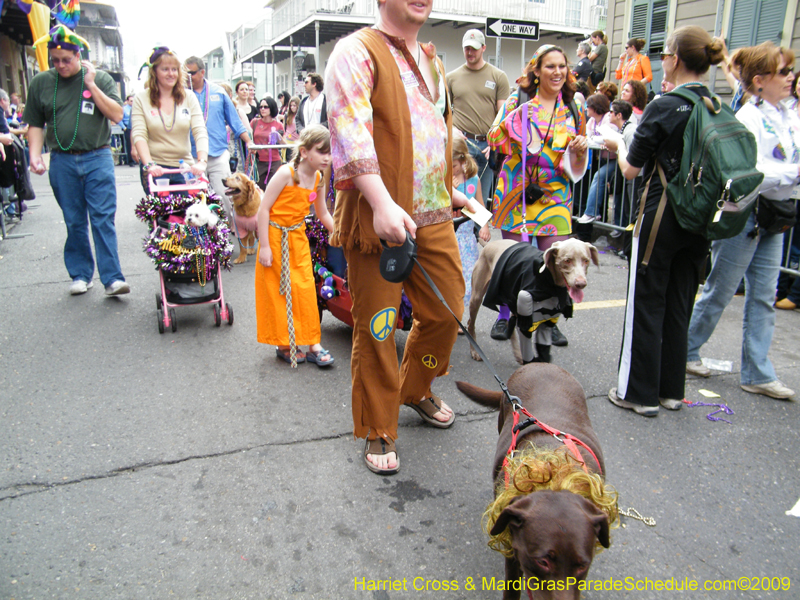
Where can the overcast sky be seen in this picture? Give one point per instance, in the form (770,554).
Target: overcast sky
(186,27)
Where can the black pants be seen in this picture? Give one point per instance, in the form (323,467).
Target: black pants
(128,148)
(652,362)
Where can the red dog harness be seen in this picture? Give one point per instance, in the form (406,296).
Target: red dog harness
(569,440)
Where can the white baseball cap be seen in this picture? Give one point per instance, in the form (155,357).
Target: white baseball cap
(474,38)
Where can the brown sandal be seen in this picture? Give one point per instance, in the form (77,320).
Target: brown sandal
(429,407)
(379,447)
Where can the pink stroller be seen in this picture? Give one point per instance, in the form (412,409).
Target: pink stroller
(187,258)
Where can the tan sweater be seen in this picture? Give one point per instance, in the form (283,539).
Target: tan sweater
(168,148)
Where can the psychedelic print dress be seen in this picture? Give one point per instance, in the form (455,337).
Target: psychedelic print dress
(552,213)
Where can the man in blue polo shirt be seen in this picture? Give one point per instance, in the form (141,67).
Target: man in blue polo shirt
(218,111)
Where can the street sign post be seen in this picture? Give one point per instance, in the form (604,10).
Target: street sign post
(509,29)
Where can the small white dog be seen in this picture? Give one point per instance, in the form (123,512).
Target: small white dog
(200,214)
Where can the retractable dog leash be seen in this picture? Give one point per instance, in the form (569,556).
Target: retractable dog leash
(396,265)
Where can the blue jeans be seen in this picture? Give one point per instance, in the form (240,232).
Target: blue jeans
(485,173)
(758,261)
(597,193)
(84,186)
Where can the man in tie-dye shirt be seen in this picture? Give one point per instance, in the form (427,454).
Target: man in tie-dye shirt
(390,139)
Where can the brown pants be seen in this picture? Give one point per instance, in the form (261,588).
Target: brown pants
(380,386)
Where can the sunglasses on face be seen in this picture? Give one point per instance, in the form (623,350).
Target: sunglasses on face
(61,61)
(192,73)
(263,106)
(665,55)
(786,71)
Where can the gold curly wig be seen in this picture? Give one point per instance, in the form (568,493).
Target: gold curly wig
(533,469)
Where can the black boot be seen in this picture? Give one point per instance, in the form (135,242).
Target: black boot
(542,353)
(559,339)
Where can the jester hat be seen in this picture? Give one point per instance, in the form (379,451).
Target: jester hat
(63,38)
(158,52)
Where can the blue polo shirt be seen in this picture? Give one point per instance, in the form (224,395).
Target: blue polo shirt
(221,112)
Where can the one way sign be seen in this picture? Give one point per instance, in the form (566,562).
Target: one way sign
(517,30)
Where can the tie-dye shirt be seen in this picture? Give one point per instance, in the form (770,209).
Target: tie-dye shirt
(349,79)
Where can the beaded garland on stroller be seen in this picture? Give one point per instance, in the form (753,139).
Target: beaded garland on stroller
(188,258)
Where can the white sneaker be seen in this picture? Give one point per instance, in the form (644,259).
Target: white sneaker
(616,233)
(79,286)
(773,389)
(671,403)
(586,218)
(698,368)
(639,409)
(116,288)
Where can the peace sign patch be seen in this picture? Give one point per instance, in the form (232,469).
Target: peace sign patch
(382,323)
(429,360)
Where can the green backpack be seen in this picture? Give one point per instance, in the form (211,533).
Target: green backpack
(716,188)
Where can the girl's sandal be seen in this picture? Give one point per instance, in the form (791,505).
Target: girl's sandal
(315,357)
(286,355)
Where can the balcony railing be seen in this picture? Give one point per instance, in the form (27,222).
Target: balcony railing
(296,11)
(551,13)
(256,38)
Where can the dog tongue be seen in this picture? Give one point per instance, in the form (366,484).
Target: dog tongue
(575,294)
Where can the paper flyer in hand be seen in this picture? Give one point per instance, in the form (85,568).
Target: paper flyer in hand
(481,217)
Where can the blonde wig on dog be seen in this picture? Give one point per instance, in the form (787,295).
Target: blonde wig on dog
(534,469)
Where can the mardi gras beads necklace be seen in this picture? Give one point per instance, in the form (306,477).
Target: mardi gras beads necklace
(77,119)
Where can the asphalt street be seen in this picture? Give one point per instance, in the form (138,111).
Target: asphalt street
(196,464)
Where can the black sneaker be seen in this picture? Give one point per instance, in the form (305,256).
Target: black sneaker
(559,339)
(500,330)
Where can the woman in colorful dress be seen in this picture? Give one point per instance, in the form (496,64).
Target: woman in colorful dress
(633,65)
(556,154)
(556,151)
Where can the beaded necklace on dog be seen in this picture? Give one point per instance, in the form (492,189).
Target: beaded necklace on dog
(185,239)
(77,119)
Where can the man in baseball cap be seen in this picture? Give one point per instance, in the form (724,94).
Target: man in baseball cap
(474,38)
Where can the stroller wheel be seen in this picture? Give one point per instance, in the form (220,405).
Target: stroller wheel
(159,302)
(229,308)
(217,316)
(160,316)
(174,319)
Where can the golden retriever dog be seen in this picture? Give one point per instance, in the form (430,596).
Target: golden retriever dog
(246,199)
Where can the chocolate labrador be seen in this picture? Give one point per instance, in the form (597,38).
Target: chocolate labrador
(553,533)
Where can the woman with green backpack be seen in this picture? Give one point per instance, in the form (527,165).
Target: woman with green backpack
(766,73)
(661,292)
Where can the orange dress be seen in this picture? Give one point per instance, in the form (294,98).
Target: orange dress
(290,208)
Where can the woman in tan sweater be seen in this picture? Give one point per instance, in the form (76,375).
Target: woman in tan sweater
(163,116)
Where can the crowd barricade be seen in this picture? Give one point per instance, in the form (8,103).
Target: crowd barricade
(791,244)
(616,202)
(617,206)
